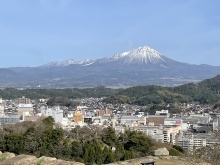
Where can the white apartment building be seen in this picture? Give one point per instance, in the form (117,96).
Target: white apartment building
(156,132)
(56,113)
(172,134)
(191,143)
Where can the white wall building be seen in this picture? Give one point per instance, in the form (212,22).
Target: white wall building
(156,132)
(191,143)
(162,113)
(173,121)
(24,108)
(2,110)
(215,124)
(129,119)
(56,113)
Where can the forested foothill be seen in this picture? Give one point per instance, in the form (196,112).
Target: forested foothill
(84,144)
(150,98)
(71,93)
(205,92)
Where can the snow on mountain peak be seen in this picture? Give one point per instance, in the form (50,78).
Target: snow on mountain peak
(69,62)
(141,55)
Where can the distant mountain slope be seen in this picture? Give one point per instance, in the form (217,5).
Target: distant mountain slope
(141,66)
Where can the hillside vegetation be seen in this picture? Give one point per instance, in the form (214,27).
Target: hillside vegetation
(205,92)
(72,93)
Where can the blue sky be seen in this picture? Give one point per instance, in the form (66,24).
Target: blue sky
(35,32)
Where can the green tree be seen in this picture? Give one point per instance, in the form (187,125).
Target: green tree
(119,152)
(137,142)
(109,157)
(128,155)
(104,154)
(77,149)
(14,143)
(31,144)
(49,121)
(89,156)
(109,136)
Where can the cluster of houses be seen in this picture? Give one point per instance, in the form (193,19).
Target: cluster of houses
(195,127)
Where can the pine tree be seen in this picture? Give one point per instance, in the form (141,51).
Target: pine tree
(110,157)
(104,154)
(119,152)
(109,136)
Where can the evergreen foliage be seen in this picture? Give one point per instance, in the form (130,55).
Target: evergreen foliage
(205,92)
(62,101)
(175,152)
(70,93)
(43,138)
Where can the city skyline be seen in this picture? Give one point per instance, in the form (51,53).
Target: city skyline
(34,33)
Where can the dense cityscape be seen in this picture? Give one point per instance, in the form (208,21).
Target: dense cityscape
(192,128)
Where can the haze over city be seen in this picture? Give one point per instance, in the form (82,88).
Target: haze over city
(37,32)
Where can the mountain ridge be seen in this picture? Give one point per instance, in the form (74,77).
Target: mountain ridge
(140,55)
(141,66)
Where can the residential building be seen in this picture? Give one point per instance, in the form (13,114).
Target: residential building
(54,112)
(24,108)
(163,113)
(215,124)
(131,119)
(103,112)
(173,121)
(22,100)
(2,110)
(172,134)
(192,143)
(155,120)
(78,117)
(9,119)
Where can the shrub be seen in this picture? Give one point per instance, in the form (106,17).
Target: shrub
(174,152)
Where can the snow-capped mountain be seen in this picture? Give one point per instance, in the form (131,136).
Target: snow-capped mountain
(143,65)
(68,62)
(141,55)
